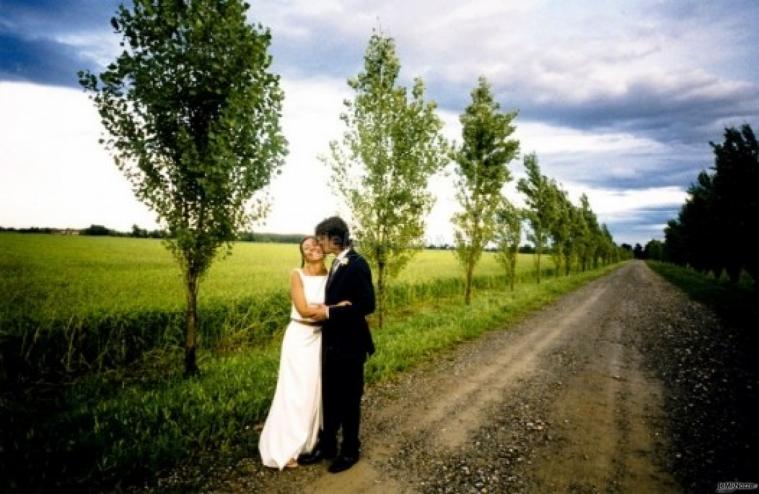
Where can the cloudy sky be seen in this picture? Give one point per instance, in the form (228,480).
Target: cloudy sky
(618,99)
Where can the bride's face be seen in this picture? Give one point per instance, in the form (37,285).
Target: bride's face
(312,251)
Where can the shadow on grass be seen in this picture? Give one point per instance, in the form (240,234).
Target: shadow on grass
(711,372)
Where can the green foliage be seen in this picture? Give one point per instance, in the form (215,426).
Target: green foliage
(192,114)
(482,168)
(578,234)
(111,430)
(95,230)
(508,234)
(589,245)
(391,147)
(561,228)
(722,205)
(654,250)
(539,211)
(574,231)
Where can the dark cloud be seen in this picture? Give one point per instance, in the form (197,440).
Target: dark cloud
(627,171)
(44,18)
(689,112)
(684,114)
(40,61)
(30,31)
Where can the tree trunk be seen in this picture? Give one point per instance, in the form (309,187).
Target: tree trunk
(190,364)
(381,293)
(468,289)
(513,271)
(538,261)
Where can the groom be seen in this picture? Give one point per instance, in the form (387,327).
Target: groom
(346,343)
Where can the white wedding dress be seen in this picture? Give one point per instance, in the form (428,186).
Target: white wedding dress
(295,415)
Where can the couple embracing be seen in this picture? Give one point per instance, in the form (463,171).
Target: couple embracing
(321,369)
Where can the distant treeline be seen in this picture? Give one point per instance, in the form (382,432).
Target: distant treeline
(715,231)
(137,232)
(92,230)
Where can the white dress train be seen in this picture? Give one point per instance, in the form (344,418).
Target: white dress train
(295,416)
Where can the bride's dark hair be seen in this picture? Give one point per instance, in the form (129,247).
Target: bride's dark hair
(302,254)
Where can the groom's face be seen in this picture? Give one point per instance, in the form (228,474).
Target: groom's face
(328,245)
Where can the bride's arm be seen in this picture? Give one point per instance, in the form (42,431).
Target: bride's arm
(298,296)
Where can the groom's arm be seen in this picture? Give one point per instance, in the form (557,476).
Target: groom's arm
(363,303)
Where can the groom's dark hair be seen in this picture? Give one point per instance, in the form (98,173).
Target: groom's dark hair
(336,229)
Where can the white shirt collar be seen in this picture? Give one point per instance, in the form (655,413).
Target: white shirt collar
(344,253)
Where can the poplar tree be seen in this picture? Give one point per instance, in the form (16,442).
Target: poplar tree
(560,227)
(578,236)
(382,166)
(192,114)
(482,169)
(508,234)
(589,242)
(539,211)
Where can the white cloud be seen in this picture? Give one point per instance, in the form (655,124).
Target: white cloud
(558,140)
(612,205)
(53,171)
(310,120)
(102,47)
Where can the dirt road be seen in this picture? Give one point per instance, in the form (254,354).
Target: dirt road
(566,401)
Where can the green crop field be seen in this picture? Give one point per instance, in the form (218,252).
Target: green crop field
(54,277)
(91,334)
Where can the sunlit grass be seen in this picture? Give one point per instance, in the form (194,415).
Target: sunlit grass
(114,333)
(52,276)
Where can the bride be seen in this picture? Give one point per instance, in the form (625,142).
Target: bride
(295,415)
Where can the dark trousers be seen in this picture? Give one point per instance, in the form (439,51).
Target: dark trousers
(342,387)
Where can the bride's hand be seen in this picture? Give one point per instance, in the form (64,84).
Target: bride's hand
(344,303)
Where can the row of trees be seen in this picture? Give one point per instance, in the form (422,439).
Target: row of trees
(393,145)
(715,229)
(192,114)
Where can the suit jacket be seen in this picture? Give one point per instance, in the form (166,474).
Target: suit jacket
(346,332)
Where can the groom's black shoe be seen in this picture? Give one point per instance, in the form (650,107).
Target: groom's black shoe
(317,455)
(343,462)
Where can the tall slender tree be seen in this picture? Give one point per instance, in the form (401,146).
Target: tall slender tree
(735,202)
(578,231)
(482,168)
(538,193)
(560,227)
(508,234)
(590,241)
(381,168)
(192,112)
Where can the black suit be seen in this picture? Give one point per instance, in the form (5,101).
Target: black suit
(346,343)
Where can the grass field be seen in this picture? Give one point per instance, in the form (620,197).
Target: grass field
(90,347)
(54,277)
